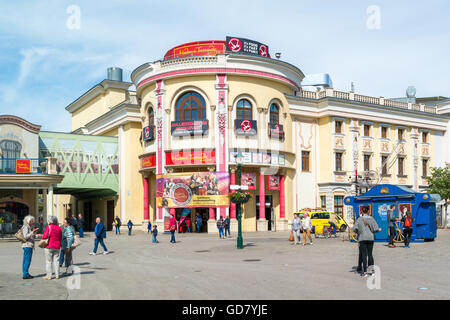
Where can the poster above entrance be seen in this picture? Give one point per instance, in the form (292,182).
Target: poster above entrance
(191,190)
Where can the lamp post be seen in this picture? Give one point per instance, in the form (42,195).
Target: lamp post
(239,160)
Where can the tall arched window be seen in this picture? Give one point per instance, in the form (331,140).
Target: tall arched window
(244,110)
(274,113)
(190,106)
(151,116)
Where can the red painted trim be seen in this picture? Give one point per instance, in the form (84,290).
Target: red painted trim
(217,70)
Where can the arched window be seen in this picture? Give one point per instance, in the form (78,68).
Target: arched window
(151,116)
(274,113)
(190,106)
(244,110)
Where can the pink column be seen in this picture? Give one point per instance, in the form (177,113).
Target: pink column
(146,214)
(212,214)
(262,197)
(233,205)
(282,198)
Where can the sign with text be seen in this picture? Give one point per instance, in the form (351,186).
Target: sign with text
(246,46)
(245,127)
(199,48)
(276,131)
(191,190)
(191,157)
(23,166)
(148,161)
(147,133)
(189,128)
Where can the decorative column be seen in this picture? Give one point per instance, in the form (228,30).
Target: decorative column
(146,204)
(282,223)
(233,220)
(122,192)
(213,214)
(50,201)
(415,157)
(349,215)
(262,223)
(161,129)
(221,129)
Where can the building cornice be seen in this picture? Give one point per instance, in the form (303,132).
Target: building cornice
(96,91)
(117,116)
(14,120)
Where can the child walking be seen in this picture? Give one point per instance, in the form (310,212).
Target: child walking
(154,234)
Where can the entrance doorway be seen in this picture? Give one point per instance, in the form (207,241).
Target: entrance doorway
(204,213)
(13,214)
(269,212)
(88,219)
(109,214)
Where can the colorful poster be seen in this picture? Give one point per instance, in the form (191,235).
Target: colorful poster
(274,183)
(23,166)
(248,179)
(402,209)
(191,190)
(282,160)
(266,158)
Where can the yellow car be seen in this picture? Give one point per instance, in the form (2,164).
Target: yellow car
(320,218)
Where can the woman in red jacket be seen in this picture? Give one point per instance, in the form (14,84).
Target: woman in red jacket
(172,228)
(407,228)
(54,235)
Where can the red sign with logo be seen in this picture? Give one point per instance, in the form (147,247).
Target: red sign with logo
(191,157)
(148,161)
(23,166)
(199,48)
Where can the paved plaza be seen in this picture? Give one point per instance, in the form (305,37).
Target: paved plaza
(201,267)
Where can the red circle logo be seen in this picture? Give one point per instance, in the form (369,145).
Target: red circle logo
(147,132)
(235,45)
(246,125)
(263,51)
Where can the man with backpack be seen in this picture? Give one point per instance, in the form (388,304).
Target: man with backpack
(118,223)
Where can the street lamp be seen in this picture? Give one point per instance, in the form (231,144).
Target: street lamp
(239,160)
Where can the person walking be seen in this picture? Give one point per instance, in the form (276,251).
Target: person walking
(172,228)
(54,235)
(188,225)
(365,227)
(227,226)
(74,222)
(307,227)
(198,222)
(29,232)
(220,225)
(68,236)
(407,227)
(154,234)
(118,224)
(130,226)
(80,225)
(391,226)
(296,226)
(149,227)
(100,234)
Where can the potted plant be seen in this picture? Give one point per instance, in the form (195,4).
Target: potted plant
(240,197)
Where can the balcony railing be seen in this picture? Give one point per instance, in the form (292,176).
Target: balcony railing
(331,93)
(23,166)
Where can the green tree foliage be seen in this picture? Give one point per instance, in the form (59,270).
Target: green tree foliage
(440,182)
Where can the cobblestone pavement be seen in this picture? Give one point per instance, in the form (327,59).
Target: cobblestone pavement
(201,266)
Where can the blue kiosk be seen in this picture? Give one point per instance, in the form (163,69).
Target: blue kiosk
(380,198)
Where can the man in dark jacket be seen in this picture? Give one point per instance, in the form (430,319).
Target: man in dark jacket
(391,225)
(80,224)
(100,234)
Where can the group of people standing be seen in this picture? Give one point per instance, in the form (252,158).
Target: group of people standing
(58,248)
(365,228)
(223,225)
(299,225)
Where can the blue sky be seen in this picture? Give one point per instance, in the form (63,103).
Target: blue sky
(45,65)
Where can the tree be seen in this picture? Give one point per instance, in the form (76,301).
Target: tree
(440,183)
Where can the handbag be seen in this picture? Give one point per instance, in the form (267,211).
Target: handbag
(19,235)
(76,242)
(44,242)
(173,228)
